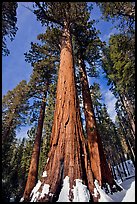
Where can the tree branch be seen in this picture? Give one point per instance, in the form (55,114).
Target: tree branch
(47,17)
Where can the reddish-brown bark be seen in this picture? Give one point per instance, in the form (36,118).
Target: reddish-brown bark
(68,154)
(33,170)
(99,165)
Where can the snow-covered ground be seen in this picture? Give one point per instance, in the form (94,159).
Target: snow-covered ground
(127,183)
(126,195)
(81,193)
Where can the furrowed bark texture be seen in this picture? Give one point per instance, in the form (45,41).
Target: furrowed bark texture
(100,168)
(33,170)
(68,154)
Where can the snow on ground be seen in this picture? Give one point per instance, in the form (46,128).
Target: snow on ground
(81,192)
(126,195)
(128,184)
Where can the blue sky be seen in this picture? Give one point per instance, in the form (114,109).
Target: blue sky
(14,67)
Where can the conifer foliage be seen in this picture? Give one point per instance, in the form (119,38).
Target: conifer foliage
(9,20)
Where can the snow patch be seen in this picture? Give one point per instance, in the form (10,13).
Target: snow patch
(44,174)
(34,192)
(22,199)
(81,193)
(64,194)
(45,190)
(103,196)
(35,196)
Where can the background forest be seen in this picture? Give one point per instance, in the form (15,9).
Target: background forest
(44,100)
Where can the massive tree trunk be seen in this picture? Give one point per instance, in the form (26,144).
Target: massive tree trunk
(99,165)
(68,160)
(33,170)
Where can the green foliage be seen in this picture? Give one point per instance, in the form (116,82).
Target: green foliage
(15,108)
(95,94)
(9,21)
(122,12)
(119,64)
(56,13)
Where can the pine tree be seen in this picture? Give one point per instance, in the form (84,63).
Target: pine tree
(9,20)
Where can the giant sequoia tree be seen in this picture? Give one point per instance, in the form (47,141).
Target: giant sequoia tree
(69,160)
(67,140)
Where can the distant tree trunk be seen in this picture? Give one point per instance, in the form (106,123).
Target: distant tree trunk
(68,156)
(33,170)
(129,110)
(99,165)
(129,145)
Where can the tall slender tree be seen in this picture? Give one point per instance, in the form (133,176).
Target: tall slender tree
(43,74)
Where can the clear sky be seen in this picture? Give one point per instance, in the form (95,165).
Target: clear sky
(14,67)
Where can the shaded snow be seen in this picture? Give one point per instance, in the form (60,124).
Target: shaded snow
(130,195)
(128,192)
(131,169)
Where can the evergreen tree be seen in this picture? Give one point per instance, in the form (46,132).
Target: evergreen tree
(44,72)
(65,156)
(112,139)
(119,66)
(9,21)
(15,107)
(123,12)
